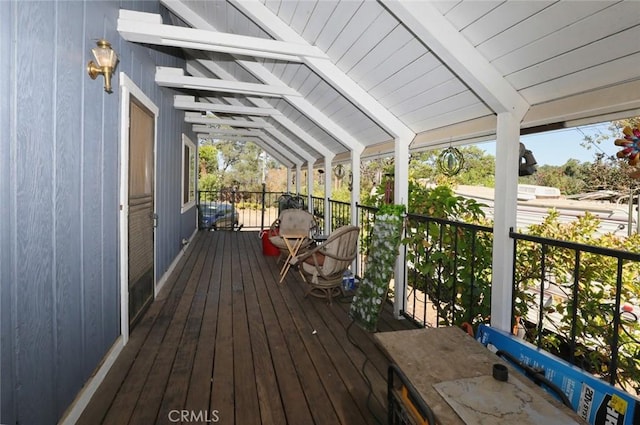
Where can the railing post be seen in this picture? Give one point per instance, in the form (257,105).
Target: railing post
(264,186)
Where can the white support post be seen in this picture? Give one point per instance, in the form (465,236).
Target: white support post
(355,189)
(505,214)
(309,186)
(401,196)
(327,194)
(298,177)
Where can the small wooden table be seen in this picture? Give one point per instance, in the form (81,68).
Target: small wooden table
(294,243)
(448,368)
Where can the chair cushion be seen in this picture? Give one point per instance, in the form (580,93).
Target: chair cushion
(315,258)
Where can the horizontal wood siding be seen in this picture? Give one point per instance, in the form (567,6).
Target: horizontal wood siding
(59,191)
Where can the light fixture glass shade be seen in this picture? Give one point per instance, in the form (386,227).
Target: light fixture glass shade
(104,54)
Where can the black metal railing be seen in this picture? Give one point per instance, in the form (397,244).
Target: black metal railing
(252,210)
(340,213)
(580,302)
(448,271)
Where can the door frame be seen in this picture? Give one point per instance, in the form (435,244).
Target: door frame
(128,89)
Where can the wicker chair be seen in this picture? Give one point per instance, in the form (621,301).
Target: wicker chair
(292,221)
(322,267)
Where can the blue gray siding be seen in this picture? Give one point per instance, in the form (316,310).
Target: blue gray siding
(59,200)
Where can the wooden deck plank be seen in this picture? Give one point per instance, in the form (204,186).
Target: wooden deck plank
(224,336)
(199,391)
(128,395)
(301,341)
(222,379)
(271,408)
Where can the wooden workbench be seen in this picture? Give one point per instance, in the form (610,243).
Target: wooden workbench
(435,359)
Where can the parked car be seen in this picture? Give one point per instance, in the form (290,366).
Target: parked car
(218,216)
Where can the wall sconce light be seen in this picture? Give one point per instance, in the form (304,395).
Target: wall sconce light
(106,59)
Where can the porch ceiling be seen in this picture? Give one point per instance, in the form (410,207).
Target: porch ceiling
(329,77)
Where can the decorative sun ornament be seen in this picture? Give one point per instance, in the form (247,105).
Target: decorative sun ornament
(450,161)
(630,148)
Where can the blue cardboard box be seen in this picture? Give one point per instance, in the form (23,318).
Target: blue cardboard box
(596,401)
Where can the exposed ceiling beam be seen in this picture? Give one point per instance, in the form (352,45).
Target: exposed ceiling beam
(187,15)
(452,48)
(148,28)
(198,118)
(174,77)
(326,69)
(200,128)
(189,103)
(281,119)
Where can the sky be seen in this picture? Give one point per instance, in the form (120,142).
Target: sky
(556,147)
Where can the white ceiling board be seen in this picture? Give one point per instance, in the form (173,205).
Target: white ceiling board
(431,96)
(611,20)
(549,20)
(318,19)
(450,46)
(301,15)
(407,74)
(339,18)
(386,58)
(455,102)
(592,104)
(465,13)
(600,52)
(366,41)
(364,18)
(624,69)
(433,78)
(507,15)
(451,117)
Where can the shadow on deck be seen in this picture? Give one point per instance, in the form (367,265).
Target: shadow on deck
(225,342)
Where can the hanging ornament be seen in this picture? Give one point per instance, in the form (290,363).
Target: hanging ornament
(338,171)
(630,149)
(630,144)
(450,161)
(350,181)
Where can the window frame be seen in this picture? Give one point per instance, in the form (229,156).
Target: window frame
(188,159)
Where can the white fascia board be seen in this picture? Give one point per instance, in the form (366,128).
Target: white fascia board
(326,69)
(446,42)
(174,77)
(200,128)
(197,118)
(189,103)
(148,28)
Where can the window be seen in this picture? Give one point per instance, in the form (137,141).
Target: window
(188,173)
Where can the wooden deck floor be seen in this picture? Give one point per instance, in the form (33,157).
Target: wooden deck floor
(226,343)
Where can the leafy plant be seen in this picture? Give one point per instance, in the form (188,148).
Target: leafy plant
(372,291)
(587,311)
(450,263)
